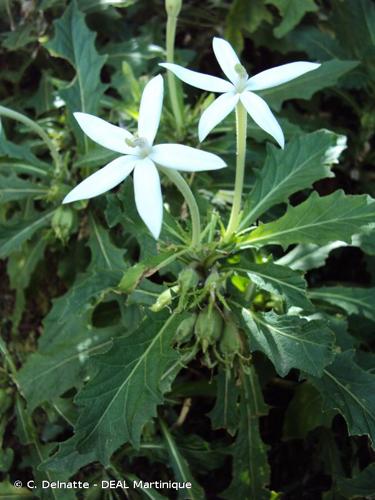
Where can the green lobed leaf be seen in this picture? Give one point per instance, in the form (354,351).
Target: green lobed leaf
(180,466)
(124,394)
(14,188)
(290,342)
(352,300)
(304,160)
(292,11)
(224,415)
(318,220)
(282,281)
(350,390)
(308,256)
(61,362)
(250,466)
(13,236)
(74,42)
(20,268)
(305,86)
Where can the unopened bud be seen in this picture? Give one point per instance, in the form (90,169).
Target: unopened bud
(173,7)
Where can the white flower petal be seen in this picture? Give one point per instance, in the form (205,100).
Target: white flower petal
(150,109)
(185,158)
(147,194)
(103,133)
(199,80)
(280,74)
(103,180)
(260,112)
(227,58)
(215,113)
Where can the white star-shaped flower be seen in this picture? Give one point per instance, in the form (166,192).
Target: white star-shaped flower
(140,156)
(240,87)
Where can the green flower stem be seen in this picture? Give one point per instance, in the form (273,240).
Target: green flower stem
(185,190)
(241,129)
(176,108)
(14,115)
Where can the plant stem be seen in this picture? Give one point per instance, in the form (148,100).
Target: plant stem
(241,130)
(14,115)
(176,108)
(185,190)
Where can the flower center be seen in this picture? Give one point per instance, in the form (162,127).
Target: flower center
(144,148)
(242,77)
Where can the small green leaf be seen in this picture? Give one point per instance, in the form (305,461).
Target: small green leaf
(351,300)
(246,16)
(279,280)
(318,220)
(290,342)
(305,86)
(350,390)
(304,160)
(104,254)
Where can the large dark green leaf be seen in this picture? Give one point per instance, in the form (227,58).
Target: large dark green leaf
(318,220)
(350,390)
(291,11)
(225,415)
(305,159)
(250,465)
(124,394)
(279,280)
(180,466)
(74,42)
(290,342)
(306,85)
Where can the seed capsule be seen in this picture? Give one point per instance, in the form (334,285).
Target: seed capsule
(208,327)
(185,329)
(230,342)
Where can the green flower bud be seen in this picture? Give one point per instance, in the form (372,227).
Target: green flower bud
(63,222)
(173,7)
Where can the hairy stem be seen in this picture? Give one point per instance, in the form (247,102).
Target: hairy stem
(14,115)
(241,129)
(185,190)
